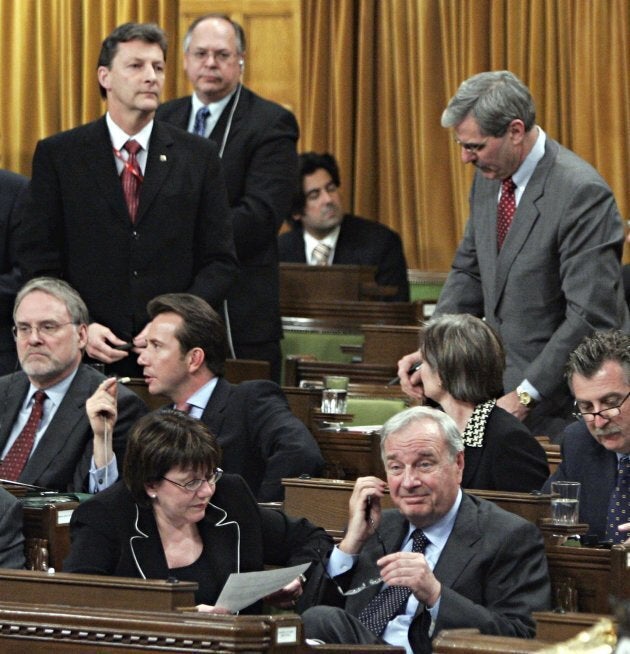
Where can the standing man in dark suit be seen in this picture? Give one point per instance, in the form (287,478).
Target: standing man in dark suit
(260,438)
(596,450)
(318,223)
(63,453)
(463,561)
(626,274)
(85,221)
(257,145)
(542,244)
(12,188)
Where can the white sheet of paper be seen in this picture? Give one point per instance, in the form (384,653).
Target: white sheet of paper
(245,588)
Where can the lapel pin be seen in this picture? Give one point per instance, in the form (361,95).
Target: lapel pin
(162,157)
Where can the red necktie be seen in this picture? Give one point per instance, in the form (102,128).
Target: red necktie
(17,456)
(132,178)
(505,210)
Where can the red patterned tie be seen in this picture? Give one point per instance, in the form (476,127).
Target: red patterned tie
(132,178)
(505,210)
(17,456)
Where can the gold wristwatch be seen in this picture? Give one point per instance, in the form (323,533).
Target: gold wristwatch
(525,398)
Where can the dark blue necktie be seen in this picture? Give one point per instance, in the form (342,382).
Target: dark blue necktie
(200,121)
(619,506)
(389,602)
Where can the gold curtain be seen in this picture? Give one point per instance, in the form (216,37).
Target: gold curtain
(377,76)
(375,79)
(49,57)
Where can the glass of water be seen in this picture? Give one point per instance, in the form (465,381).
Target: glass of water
(565,502)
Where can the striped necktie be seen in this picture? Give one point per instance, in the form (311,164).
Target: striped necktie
(619,506)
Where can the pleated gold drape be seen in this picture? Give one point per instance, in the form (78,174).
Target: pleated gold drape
(376,76)
(49,54)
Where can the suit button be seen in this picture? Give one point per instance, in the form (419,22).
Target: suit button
(134,273)
(135,235)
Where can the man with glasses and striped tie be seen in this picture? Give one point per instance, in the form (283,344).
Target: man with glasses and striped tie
(442,559)
(596,449)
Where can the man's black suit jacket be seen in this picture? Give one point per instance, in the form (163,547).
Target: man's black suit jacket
(363,243)
(61,460)
(626,282)
(260,438)
(259,164)
(12,188)
(493,572)
(595,467)
(76,224)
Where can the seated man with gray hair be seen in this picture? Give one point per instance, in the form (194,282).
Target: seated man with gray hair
(442,559)
(45,435)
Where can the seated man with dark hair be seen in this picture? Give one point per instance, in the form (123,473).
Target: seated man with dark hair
(260,438)
(322,234)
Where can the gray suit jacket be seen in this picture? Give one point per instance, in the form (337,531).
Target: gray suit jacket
(61,460)
(557,277)
(493,572)
(11,538)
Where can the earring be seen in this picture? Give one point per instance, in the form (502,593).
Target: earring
(153,496)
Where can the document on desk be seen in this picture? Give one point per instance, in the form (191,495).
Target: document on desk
(245,588)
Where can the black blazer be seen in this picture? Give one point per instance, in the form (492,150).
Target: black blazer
(260,438)
(493,572)
(12,187)
(61,460)
(112,535)
(361,242)
(511,459)
(595,467)
(260,169)
(76,223)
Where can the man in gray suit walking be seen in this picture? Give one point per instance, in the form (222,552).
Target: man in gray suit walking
(542,247)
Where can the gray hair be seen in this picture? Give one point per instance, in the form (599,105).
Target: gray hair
(238,31)
(450,432)
(494,99)
(467,355)
(591,354)
(60,290)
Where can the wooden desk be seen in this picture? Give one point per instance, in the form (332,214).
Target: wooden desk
(47,533)
(93,591)
(386,344)
(297,369)
(300,282)
(470,641)
(596,573)
(558,627)
(354,312)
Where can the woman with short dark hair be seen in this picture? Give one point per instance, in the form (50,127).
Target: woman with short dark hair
(175,514)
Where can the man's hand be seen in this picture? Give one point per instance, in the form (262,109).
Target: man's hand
(287,597)
(411,384)
(625,527)
(511,404)
(209,608)
(100,341)
(412,570)
(102,412)
(140,341)
(361,525)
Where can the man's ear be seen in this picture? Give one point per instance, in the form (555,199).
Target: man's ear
(196,358)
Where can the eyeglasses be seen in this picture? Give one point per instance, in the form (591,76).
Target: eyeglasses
(472,148)
(366,584)
(606,414)
(220,56)
(195,484)
(48,328)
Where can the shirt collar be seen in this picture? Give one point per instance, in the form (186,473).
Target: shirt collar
(330,240)
(526,169)
(55,393)
(475,428)
(216,108)
(119,137)
(200,398)
(439,532)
